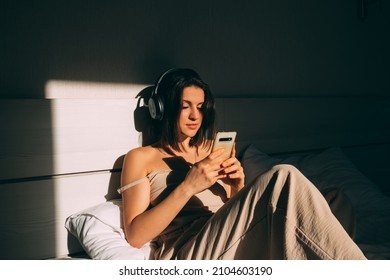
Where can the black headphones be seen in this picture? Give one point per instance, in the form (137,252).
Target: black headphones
(155,104)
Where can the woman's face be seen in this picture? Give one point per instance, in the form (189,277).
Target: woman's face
(191,116)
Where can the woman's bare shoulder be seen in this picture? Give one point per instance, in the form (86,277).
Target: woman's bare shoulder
(137,163)
(141,154)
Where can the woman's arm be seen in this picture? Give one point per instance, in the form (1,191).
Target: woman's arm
(141,223)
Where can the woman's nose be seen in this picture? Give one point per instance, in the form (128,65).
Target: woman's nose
(194,114)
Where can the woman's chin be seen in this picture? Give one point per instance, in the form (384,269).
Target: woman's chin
(188,134)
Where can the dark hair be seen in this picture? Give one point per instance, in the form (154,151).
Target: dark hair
(170,91)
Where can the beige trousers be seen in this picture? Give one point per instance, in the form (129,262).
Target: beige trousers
(281,215)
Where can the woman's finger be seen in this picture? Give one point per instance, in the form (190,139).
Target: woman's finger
(233,154)
(215,154)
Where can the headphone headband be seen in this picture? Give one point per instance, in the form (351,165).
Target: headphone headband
(160,80)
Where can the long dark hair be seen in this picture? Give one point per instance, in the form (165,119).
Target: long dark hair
(170,91)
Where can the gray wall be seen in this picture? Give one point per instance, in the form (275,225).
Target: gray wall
(242,48)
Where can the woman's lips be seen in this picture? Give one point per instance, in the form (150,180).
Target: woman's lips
(192,126)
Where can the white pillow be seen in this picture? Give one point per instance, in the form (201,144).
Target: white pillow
(331,169)
(100,233)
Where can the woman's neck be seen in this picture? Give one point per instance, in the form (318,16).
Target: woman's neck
(187,152)
(185,145)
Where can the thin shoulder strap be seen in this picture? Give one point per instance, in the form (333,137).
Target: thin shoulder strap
(132,184)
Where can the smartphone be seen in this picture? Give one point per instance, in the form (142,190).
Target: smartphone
(225,140)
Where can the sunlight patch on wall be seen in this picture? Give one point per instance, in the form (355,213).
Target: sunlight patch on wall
(92,127)
(60,89)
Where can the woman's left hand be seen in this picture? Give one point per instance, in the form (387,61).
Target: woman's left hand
(233,173)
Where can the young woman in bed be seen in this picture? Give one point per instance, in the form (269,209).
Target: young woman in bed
(178,195)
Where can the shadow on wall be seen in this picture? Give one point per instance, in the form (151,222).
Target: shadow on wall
(26,185)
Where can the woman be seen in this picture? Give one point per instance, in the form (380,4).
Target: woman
(177,194)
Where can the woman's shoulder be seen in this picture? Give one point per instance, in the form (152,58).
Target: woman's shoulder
(142,153)
(137,163)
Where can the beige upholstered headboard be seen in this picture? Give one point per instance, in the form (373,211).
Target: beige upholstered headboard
(60,156)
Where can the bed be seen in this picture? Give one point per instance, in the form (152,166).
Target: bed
(60,163)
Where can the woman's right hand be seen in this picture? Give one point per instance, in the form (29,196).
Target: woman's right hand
(204,173)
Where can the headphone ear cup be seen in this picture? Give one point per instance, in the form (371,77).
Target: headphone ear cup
(156,107)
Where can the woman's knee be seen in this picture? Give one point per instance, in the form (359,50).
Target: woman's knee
(292,177)
(281,177)
(279,171)
(286,169)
